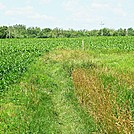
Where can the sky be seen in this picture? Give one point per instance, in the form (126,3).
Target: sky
(68,14)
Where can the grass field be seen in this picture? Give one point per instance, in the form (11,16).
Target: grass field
(64,86)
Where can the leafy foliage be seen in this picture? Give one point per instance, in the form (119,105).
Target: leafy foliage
(21,31)
(16,54)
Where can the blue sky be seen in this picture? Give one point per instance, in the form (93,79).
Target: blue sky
(76,14)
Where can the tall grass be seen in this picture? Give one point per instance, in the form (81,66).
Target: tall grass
(102,104)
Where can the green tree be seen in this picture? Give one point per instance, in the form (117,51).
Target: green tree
(130,32)
(33,32)
(93,32)
(46,33)
(121,32)
(3,31)
(19,31)
(104,32)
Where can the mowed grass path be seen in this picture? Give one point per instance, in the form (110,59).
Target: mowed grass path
(43,102)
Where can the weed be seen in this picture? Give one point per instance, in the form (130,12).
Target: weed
(101,103)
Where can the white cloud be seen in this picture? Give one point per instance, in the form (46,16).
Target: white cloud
(28,14)
(38,1)
(2,6)
(71,5)
(45,1)
(93,12)
(99,5)
(114,9)
(19,11)
(120,12)
(41,17)
(81,12)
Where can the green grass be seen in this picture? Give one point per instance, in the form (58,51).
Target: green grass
(41,95)
(44,102)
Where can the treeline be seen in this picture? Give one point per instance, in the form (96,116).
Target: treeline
(21,31)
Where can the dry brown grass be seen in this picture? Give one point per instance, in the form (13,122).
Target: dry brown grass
(69,55)
(101,104)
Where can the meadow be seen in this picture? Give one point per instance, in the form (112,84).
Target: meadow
(67,86)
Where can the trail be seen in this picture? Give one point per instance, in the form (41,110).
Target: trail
(44,101)
(71,118)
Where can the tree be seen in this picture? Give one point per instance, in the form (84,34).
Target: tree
(130,32)
(93,32)
(67,34)
(3,31)
(115,33)
(46,33)
(55,32)
(19,31)
(106,32)
(33,32)
(16,31)
(121,32)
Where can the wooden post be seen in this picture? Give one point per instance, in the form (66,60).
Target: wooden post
(83,44)
(9,32)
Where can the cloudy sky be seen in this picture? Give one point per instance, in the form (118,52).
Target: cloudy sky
(76,14)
